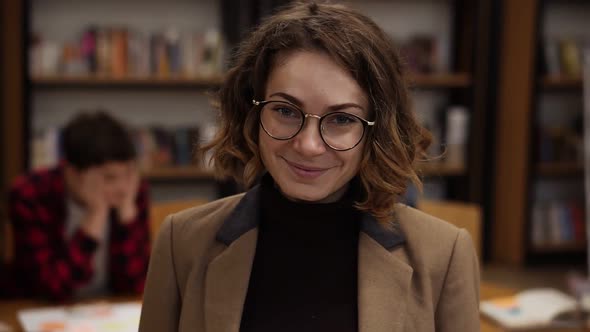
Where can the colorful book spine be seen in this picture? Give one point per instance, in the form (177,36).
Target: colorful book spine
(88,48)
(119,50)
(557,222)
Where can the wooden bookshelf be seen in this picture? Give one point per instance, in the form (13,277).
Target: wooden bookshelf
(179,173)
(560,168)
(451,80)
(560,248)
(443,80)
(431,169)
(561,82)
(115,82)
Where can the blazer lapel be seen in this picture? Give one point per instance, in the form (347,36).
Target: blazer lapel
(383,280)
(226,284)
(228,274)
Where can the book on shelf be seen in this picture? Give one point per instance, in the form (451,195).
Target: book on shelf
(156,146)
(45,148)
(535,309)
(561,143)
(551,57)
(421,53)
(570,55)
(449,128)
(160,147)
(208,133)
(88,48)
(558,223)
(121,51)
(457,131)
(562,55)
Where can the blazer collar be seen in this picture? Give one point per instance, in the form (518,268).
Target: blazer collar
(242,219)
(245,217)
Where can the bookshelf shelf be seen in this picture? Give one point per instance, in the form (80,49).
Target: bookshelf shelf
(115,82)
(178,173)
(561,82)
(448,80)
(562,247)
(440,169)
(560,168)
(455,80)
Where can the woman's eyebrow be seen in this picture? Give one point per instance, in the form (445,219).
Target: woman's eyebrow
(339,107)
(299,103)
(288,97)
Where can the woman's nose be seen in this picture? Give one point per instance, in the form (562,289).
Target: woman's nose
(309,141)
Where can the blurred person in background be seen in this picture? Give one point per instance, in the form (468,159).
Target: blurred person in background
(317,104)
(81,228)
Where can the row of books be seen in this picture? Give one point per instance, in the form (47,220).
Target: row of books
(163,147)
(556,222)
(159,147)
(563,56)
(124,52)
(450,131)
(560,144)
(156,146)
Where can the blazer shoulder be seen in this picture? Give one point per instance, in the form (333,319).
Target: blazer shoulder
(430,241)
(417,223)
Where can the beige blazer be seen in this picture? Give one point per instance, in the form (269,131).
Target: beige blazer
(422,276)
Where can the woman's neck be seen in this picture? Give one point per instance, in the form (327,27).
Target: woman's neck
(333,197)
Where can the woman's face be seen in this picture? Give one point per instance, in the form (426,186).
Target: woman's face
(304,167)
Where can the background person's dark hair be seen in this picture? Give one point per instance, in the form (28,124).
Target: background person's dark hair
(94,138)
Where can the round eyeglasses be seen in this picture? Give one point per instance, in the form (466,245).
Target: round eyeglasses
(282,120)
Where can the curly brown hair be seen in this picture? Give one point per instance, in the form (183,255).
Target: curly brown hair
(360,46)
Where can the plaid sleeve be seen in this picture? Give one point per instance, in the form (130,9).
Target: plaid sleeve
(46,264)
(130,248)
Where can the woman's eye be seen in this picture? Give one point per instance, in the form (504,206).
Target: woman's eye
(286,112)
(343,119)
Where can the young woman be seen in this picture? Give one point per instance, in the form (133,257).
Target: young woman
(317,105)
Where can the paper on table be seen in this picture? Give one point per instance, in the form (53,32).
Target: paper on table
(546,303)
(123,317)
(532,308)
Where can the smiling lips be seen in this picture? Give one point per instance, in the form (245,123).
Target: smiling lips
(306,171)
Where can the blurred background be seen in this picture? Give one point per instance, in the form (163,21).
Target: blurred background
(499,83)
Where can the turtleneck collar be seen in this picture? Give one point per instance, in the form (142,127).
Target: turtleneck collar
(247,216)
(273,200)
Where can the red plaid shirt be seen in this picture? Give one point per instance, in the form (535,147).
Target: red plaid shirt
(48,265)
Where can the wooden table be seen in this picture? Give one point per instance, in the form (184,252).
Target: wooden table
(9,309)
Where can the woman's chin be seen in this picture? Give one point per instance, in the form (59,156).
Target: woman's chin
(311,195)
(300,196)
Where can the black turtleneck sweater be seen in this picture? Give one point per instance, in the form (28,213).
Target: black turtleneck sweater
(304,276)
